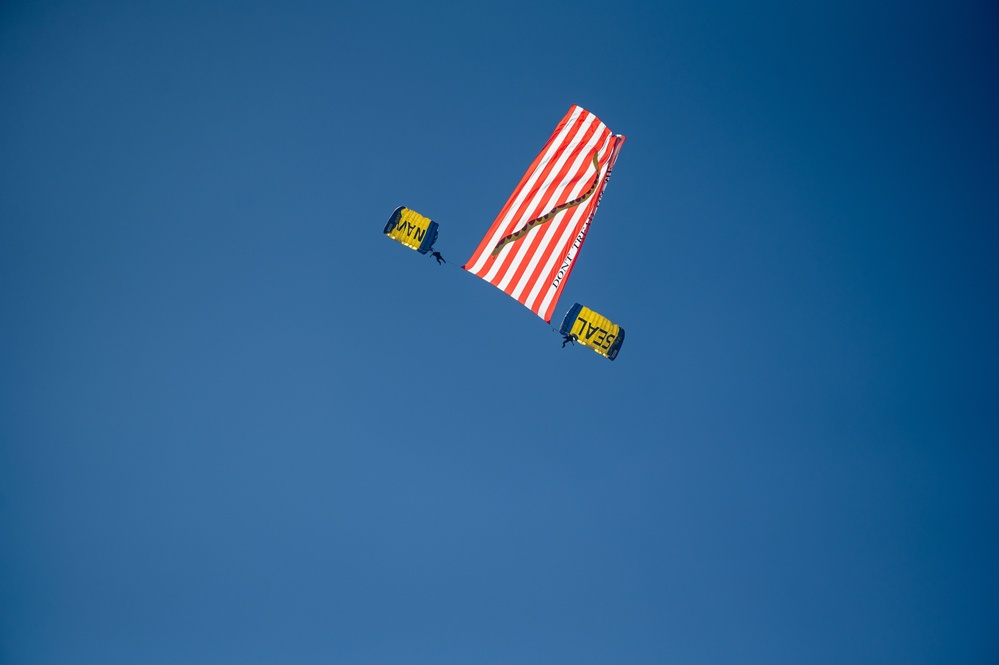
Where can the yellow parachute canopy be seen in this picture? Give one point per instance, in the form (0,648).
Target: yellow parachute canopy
(593,331)
(412,229)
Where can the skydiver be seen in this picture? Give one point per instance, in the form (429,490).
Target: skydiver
(567,338)
(437,255)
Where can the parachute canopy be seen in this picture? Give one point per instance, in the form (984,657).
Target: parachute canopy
(412,229)
(593,331)
(532,245)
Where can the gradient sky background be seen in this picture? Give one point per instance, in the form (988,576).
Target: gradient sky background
(239,425)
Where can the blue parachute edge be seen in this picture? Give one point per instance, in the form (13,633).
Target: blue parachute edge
(429,239)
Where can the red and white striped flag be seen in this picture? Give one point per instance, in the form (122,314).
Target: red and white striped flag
(533,245)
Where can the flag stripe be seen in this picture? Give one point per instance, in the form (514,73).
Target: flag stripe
(533,268)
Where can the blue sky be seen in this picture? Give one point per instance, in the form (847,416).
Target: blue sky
(239,425)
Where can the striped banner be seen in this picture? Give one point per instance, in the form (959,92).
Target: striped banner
(532,246)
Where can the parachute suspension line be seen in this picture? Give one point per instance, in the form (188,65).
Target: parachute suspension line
(548,216)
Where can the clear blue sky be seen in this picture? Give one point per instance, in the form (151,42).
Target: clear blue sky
(239,425)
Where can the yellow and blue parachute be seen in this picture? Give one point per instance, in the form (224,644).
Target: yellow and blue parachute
(412,229)
(591,330)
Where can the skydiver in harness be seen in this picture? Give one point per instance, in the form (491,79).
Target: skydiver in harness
(567,338)
(437,255)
